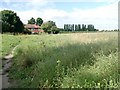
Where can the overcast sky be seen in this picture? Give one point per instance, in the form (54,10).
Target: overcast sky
(101,13)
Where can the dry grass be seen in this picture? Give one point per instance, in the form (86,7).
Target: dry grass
(36,60)
(92,37)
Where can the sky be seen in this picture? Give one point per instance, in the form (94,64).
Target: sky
(103,14)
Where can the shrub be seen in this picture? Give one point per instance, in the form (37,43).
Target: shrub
(54,30)
(26,31)
(49,31)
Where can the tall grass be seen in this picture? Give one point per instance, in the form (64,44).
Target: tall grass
(102,74)
(8,43)
(67,61)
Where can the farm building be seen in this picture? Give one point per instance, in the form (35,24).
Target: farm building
(33,28)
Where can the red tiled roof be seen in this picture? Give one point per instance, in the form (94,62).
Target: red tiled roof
(31,26)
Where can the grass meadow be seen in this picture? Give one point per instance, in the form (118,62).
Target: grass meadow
(74,60)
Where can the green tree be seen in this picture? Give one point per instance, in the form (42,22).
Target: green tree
(47,26)
(72,27)
(18,27)
(66,27)
(11,22)
(31,21)
(91,27)
(79,27)
(54,30)
(84,27)
(39,21)
(76,27)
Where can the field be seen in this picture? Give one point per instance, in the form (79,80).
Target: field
(74,60)
(8,43)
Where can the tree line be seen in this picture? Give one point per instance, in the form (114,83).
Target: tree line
(79,27)
(38,21)
(12,23)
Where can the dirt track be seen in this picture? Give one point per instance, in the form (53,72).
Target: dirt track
(6,63)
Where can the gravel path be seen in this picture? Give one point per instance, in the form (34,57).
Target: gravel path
(6,63)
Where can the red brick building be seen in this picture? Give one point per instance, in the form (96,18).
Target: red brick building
(33,28)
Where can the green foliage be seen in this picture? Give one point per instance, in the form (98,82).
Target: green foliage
(75,27)
(103,74)
(66,27)
(8,43)
(11,22)
(47,26)
(54,30)
(62,61)
(91,28)
(26,31)
(27,63)
(78,27)
(49,31)
(31,21)
(84,27)
(39,21)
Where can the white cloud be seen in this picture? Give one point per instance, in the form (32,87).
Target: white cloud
(37,3)
(104,17)
(26,15)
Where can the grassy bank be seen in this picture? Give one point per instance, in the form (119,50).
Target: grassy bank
(8,43)
(66,61)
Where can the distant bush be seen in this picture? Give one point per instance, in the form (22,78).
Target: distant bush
(26,31)
(55,30)
(49,31)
